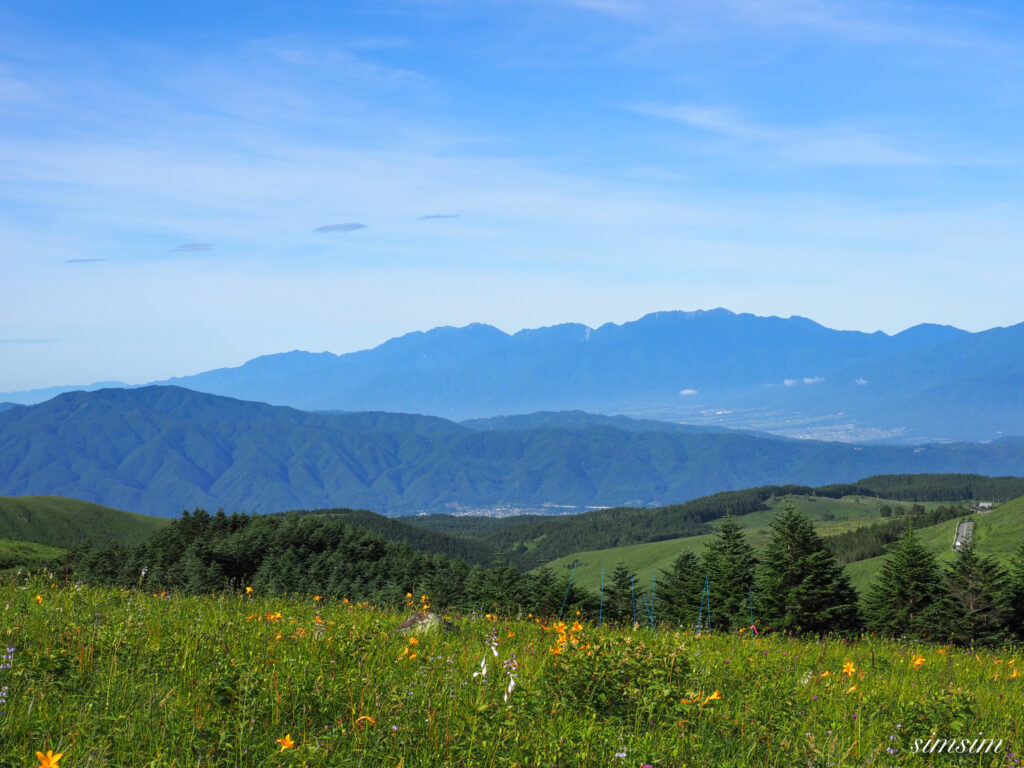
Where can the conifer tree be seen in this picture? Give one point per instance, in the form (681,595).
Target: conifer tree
(909,595)
(730,563)
(619,595)
(979,587)
(679,590)
(801,587)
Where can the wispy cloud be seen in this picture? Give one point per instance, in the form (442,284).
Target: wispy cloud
(880,22)
(440,216)
(826,145)
(82,261)
(351,226)
(813,380)
(190,248)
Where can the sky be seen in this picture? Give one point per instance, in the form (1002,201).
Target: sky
(186,186)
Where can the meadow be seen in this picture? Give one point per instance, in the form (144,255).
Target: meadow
(113,677)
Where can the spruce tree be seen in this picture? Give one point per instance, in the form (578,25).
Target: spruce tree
(619,595)
(979,587)
(730,564)
(801,587)
(909,595)
(679,590)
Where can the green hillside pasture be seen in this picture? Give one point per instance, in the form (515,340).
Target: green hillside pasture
(62,522)
(830,516)
(998,533)
(27,555)
(122,678)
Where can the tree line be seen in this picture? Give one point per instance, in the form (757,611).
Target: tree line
(796,585)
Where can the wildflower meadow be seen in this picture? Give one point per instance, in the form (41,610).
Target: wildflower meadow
(106,677)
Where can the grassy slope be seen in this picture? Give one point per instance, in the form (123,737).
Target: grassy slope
(26,554)
(61,522)
(998,533)
(849,513)
(91,678)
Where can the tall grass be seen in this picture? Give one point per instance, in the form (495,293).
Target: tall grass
(129,678)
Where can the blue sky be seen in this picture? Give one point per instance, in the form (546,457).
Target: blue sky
(186,186)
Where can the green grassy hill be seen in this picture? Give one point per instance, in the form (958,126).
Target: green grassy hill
(998,533)
(57,521)
(830,516)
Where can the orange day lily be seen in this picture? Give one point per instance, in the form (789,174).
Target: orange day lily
(49,760)
(286,742)
(849,669)
(713,697)
(39,599)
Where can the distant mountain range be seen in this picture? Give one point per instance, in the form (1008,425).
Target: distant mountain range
(159,450)
(788,376)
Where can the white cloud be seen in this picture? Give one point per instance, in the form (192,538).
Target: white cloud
(687,392)
(821,145)
(813,380)
(789,382)
(862,382)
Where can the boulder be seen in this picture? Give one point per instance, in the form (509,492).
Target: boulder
(422,622)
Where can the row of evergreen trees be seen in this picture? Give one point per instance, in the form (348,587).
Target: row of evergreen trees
(796,585)
(799,586)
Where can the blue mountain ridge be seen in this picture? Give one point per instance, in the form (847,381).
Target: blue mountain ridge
(161,449)
(785,375)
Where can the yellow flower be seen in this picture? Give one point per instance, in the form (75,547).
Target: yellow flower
(408,595)
(248,590)
(49,760)
(413,641)
(412,655)
(826,673)
(713,697)
(849,669)
(286,742)
(917,661)
(577,627)
(555,649)
(1015,673)
(511,634)
(39,599)
(317,598)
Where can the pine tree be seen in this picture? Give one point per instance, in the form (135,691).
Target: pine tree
(802,588)
(679,590)
(619,595)
(909,595)
(979,588)
(729,563)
